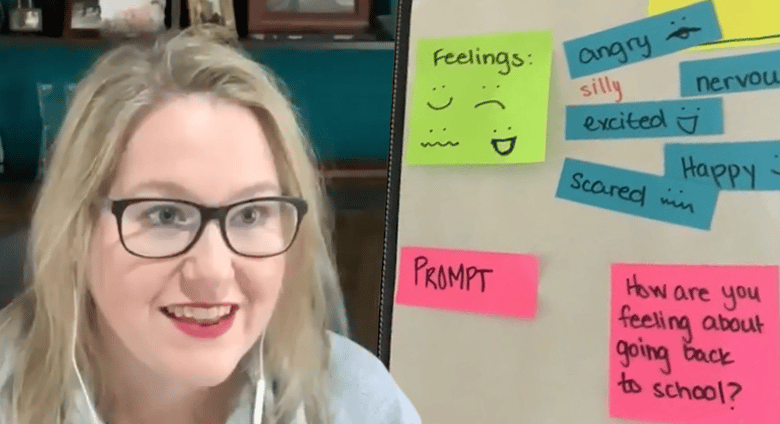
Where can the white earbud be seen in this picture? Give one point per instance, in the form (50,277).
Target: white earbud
(257,417)
(95,418)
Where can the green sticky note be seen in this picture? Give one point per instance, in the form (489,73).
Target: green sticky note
(480,99)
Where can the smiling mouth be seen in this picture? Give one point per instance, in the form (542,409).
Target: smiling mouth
(688,123)
(774,172)
(200,315)
(440,107)
(487,102)
(683,33)
(504,146)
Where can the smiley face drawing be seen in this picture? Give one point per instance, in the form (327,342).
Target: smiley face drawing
(675,204)
(440,105)
(490,102)
(774,171)
(683,32)
(442,143)
(687,124)
(504,146)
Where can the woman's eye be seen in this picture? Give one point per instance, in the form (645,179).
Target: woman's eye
(165,215)
(251,215)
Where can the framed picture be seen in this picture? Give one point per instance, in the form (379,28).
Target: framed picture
(82,19)
(326,16)
(219,12)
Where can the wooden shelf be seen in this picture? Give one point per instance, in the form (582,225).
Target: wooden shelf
(354,170)
(249,44)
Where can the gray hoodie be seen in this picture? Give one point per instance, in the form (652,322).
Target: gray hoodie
(361,390)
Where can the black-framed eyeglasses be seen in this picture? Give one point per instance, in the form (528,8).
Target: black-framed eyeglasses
(163,228)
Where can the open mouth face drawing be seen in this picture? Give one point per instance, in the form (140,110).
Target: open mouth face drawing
(440,143)
(493,102)
(773,170)
(504,146)
(687,124)
(440,105)
(682,32)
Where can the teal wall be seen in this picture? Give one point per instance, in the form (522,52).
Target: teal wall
(343,95)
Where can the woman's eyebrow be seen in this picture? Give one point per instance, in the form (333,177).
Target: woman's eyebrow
(262,188)
(170,188)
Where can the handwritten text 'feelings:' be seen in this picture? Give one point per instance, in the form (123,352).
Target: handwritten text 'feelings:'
(642,40)
(690,343)
(480,99)
(490,283)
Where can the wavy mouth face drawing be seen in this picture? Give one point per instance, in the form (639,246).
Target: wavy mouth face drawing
(687,124)
(675,204)
(442,106)
(683,32)
(488,102)
(440,144)
(447,143)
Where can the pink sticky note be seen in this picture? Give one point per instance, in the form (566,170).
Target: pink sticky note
(502,284)
(694,344)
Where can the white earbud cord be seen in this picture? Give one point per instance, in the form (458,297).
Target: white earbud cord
(95,418)
(257,416)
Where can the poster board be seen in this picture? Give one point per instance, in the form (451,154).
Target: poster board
(559,366)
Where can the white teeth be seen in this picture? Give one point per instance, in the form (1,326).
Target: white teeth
(202,314)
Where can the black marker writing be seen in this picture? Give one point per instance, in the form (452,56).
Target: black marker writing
(676,390)
(447,277)
(678,205)
(728,324)
(714,84)
(629,350)
(507,60)
(656,320)
(624,192)
(630,121)
(617,49)
(734,294)
(722,174)
(717,356)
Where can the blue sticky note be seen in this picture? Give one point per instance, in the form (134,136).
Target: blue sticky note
(671,118)
(726,166)
(650,196)
(749,72)
(647,38)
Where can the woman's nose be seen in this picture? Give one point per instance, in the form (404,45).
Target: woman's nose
(209,264)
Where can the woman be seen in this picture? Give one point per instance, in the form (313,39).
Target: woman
(180,259)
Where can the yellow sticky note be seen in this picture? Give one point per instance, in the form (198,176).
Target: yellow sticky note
(742,22)
(480,99)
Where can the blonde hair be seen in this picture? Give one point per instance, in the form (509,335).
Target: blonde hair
(121,89)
